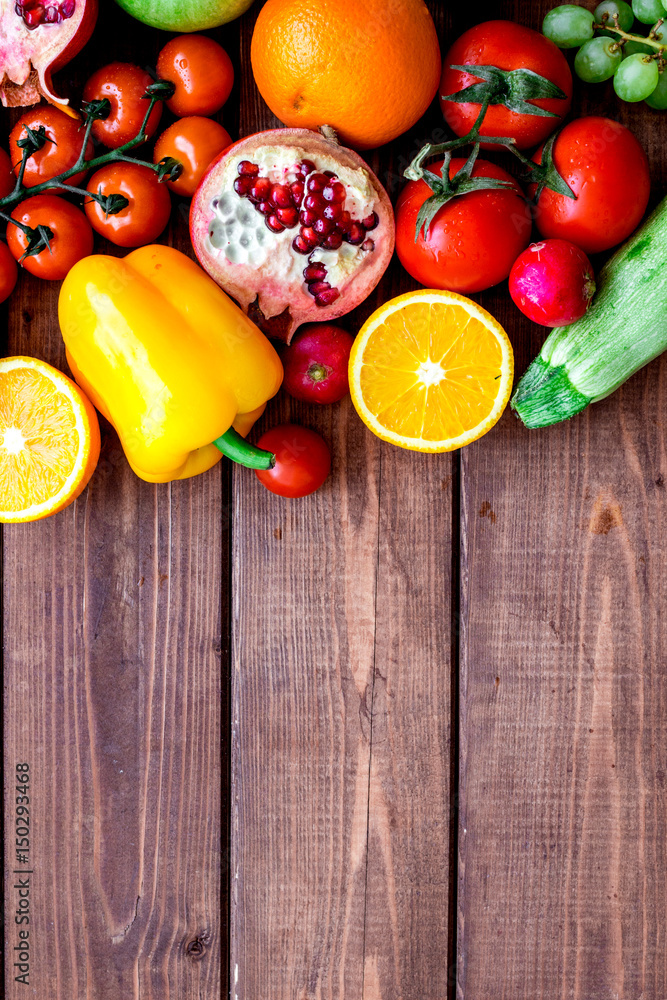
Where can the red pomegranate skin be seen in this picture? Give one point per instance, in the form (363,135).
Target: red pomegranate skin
(552,282)
(316,363)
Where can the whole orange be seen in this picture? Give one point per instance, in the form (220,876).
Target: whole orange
(368,68)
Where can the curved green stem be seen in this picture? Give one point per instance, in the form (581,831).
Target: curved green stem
(241,451)
(651,39)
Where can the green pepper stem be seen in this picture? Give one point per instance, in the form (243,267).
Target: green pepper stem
(241,451)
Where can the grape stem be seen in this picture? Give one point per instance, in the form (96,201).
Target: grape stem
(652,39)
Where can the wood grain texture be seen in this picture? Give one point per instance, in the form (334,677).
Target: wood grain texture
(113,687)
(341,706)
(563,862)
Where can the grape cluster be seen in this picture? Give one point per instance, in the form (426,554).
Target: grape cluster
(608,48)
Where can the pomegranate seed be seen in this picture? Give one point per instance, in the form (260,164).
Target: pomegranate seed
(371,221)
(296,187)
(317,287)
(339,193)
(314,202)
(329,173)
(274,224)
(310,236)
(300,245)
(316,183)
(248,169)
(328,193)
(356,234)
(334,240)
(307,167)
(51,15)
(323,226)
(242,185)
(307,217)
(281,196)
(33,18)
(332,212)
(288,216)
(265,207)
(261,189)
(315,271)
(67,8)
(368,245)
(327,297)
(345,222)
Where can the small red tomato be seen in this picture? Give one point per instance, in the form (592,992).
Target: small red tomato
(9,272)
(146,215)
(316,363)
(124,86)
(7,179)
(552,282)
(195,142)
(473,239)
(202,71)
(59,152)
(607,170)
(303,461)
(72,235)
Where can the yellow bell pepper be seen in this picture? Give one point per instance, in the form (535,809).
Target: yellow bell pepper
(169,359)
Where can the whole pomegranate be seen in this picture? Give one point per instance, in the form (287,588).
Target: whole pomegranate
(295,227)
(37,37)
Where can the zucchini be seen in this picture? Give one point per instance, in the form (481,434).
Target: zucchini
(624,329)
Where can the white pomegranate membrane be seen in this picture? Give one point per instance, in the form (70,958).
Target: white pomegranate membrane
(36,12)
(315,219)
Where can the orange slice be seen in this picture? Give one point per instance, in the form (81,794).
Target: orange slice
(49,440)
(431,371)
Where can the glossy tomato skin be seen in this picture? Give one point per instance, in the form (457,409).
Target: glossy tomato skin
(303,461)
(608,171)
(508,46)
(202,71)
(9,272)
(147,214)
(72,235)
(124,85)
(473,240)
(7,179)
(196,142)
(59,153)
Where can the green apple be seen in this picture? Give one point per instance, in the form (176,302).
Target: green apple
(185,15)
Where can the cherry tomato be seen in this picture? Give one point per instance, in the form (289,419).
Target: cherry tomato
(7,179)
(202,71)
(303,461)
(59,152)
(9,272)
(149,207)
(508,46)
(195,142)
(124,85)
(608,171)
(72,235)
(473,240)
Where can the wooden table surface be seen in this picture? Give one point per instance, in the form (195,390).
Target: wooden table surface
(402,740)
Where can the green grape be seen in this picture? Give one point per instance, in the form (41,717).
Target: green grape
(597,60)
(610,7)
(631,47)
(648,11)
(658,99)
(636,78)
(568,26)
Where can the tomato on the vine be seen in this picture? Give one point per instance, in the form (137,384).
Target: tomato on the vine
(59,152)
(195,142)
(72,236)
(607,170)
(303,461)
(473,239)
(202,71)
(7,179)
(507,46)
(146,215)
(9,272)
(124,86)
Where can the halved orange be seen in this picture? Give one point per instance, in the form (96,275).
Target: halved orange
(431,371)
(49,440)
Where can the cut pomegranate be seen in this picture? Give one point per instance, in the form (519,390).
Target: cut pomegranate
(37,37)
(276,198)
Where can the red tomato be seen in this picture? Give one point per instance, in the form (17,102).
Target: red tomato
(474,239)
(7,179)
(202,71)
(124,85)
(72,235)
(60,153)
(195,142)
(9,272)
(147,214)
(608,171)
(508,46)
(303,461)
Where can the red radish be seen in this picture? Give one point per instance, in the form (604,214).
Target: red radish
(316,361)
(552,282)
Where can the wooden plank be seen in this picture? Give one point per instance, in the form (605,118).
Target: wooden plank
(341,708)
(563,863)
(113,680)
